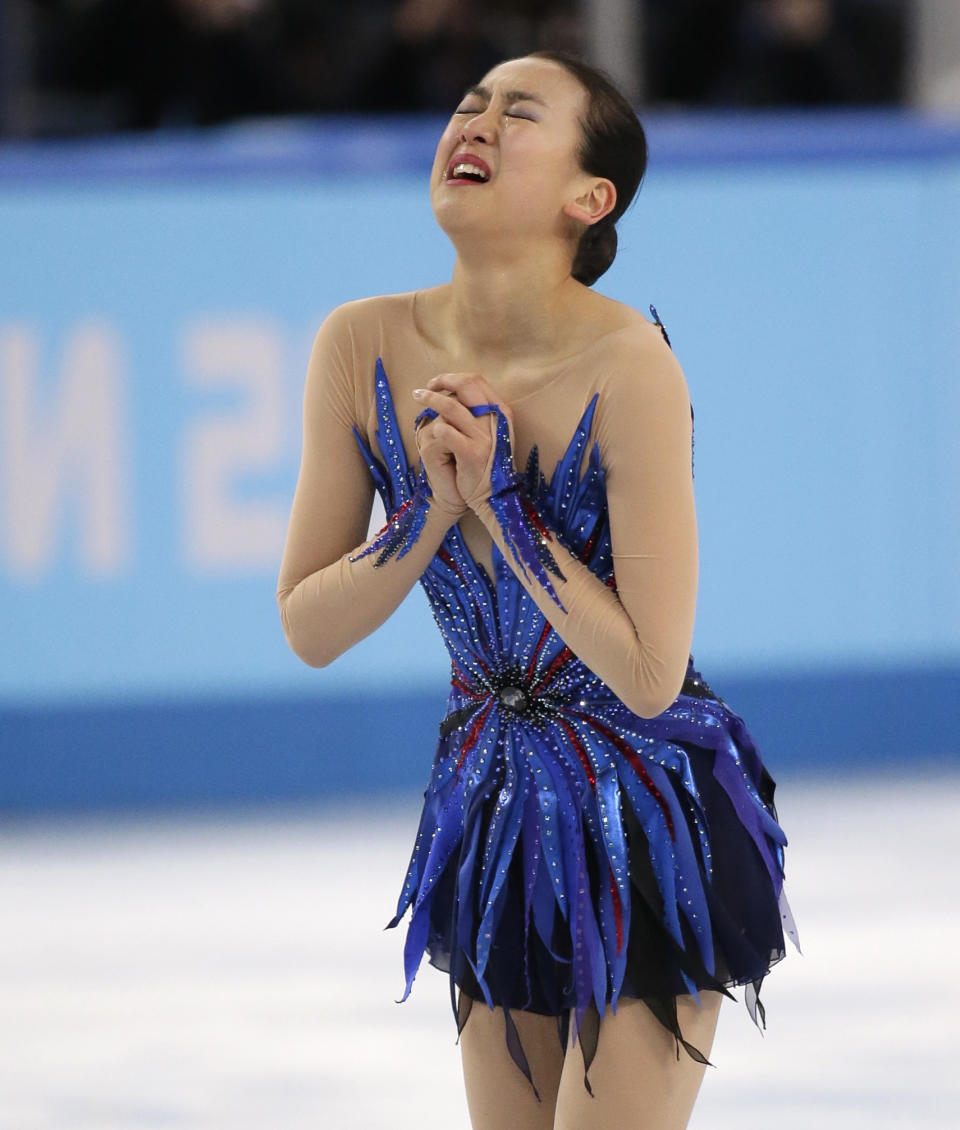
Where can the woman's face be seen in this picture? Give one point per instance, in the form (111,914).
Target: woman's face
(507,161)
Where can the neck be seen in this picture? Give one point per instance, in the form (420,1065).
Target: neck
(508,311)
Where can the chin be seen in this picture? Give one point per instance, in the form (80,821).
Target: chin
(462,215)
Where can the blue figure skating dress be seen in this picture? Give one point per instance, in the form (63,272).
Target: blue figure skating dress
(570,852)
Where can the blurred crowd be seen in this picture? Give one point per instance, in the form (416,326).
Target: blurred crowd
(82,66)
(776,52)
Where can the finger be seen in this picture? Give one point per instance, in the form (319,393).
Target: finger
(429,441)
(451,440)
(449,409)
(472,390)
(450,380)
(475,392)
(437,458)
(469,388)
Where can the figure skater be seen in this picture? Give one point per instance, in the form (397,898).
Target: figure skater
(599,859)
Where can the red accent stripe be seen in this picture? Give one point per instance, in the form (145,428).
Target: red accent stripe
(592,778)
(459,680)
(637,765)
(467,690)
(393,518)
(474,734)
(588,548)
(558,661)
(535,520)
(581,753)
(536,654)
(445,556)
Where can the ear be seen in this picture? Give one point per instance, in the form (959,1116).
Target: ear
(596,201)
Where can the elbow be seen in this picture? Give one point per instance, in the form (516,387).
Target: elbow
(312,646)
(650,696)
(647,706)
(309,653)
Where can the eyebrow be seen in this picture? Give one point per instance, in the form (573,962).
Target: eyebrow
(510,96)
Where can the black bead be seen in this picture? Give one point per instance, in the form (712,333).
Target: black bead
(513,698)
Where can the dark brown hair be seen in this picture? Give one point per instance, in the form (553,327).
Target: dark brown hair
(613,146)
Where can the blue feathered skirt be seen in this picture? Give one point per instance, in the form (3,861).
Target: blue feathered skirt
(703,855)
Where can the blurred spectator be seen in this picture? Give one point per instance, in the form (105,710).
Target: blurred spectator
(435,49)
(138,64)
(689,46)
(770,52)
(122,65)
(810,52)
(438,48)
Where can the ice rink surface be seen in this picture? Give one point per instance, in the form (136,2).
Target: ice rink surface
(232,971)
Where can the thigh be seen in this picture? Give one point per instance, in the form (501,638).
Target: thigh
(498,1094)
(638,1082)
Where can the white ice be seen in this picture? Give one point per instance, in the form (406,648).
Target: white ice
(208,972)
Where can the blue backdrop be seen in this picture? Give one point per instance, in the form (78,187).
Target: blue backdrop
(158,298)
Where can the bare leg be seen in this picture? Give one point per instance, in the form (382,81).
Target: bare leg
(637,1081)
(498,1094)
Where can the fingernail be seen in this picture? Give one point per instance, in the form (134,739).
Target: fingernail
(419,393)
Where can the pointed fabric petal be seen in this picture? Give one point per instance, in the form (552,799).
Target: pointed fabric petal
(522,528)
(589,1035)
(462,1009)
(418,857)
(402,528)
(390,439)
(566,476)
(501,842)
(406,497)
(665,1010)
(789,926)
(515,1047)
(414,946)
(550,839)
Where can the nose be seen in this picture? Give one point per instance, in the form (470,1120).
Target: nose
(481,127)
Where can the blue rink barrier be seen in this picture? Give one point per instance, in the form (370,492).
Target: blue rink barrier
(227,752)
(158,298)
(366,146)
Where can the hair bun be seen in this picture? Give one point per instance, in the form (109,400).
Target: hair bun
(595,252)
(612,146)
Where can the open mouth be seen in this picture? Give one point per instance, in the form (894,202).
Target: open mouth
(467,169)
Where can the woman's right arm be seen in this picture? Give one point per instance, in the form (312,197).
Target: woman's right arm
(327,601)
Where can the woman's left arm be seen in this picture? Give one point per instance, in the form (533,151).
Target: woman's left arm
(637,637)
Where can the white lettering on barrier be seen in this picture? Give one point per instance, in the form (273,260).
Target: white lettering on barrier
(63,451)
(221,531)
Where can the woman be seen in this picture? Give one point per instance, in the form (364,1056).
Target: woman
(598,857)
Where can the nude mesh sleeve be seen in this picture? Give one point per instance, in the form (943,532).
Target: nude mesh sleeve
(327,601)
(638,637)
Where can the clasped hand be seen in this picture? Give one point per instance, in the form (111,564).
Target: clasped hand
(456,447)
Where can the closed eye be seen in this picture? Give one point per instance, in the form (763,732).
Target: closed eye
(509,113)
